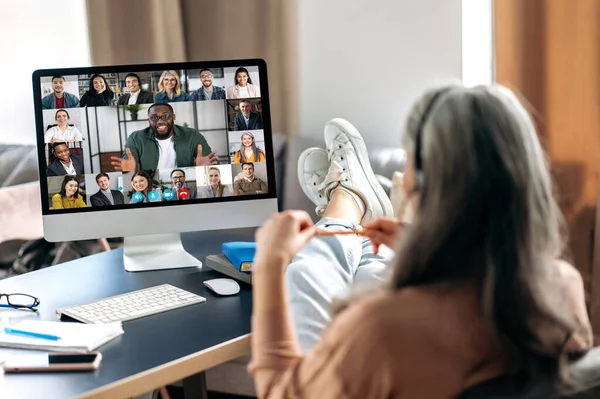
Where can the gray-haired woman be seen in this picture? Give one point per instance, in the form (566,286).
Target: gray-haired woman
(476,290)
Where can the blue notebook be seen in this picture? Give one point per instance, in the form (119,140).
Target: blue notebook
(240,254)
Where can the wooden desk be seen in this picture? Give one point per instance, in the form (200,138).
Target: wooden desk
(155,350)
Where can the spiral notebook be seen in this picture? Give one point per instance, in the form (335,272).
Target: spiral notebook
(74,337)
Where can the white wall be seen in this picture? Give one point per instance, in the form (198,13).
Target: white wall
(368,60)
(36,35)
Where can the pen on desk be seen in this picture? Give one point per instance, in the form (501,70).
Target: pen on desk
(31,334)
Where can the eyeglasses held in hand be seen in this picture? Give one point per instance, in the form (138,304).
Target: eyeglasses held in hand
(156,118)
(19,301)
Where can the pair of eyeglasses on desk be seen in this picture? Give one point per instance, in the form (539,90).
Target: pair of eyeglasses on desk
(19,301)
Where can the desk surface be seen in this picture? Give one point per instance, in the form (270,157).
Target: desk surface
(154,350)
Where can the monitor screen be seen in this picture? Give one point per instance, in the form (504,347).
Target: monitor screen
(128,143)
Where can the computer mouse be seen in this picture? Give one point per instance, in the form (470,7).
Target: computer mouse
(223,286)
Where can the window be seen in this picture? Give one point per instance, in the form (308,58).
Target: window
(477,42)
(55,36)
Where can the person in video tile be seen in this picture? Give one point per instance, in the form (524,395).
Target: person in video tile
(99,93)
(164,145)
(169,87)
(247,120)
(248,151)
(141,182)
(105,196)
(179,188)
(68,196)
(214,188)
(248,183)
(62,131)
(135,93)
(65,163)
(208,91)
(243,87)
(59,98)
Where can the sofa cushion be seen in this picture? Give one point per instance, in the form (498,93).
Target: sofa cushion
(18,164)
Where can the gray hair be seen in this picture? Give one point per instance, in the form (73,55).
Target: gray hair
(486,212)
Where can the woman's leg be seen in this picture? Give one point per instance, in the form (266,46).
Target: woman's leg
(323,269)
(372,267)
(345,193)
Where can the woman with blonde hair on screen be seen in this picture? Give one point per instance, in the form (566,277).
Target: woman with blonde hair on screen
(242,86)
(215,187)
(248,151)
(169,87)
(477,289)
(68,197)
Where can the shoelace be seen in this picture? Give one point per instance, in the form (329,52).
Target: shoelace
(313,180)
(333,177)
(336,151)
(336,171)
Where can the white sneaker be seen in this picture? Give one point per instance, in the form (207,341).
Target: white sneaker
(313,165)
(350,168)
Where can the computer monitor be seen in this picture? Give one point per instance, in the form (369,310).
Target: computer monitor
(146,152)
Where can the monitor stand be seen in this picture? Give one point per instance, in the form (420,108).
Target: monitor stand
(156,252)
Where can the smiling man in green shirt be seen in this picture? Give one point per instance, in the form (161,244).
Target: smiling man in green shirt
(164,145)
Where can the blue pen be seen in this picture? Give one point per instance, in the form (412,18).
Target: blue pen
(31,334)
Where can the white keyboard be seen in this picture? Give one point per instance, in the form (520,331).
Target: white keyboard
(132,305)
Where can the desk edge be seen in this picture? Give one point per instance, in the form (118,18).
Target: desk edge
(173,371)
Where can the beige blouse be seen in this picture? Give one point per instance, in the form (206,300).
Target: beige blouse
(423,342)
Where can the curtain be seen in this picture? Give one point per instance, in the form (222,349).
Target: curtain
(548,51)
(148,31)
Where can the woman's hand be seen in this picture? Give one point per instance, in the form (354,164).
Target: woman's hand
(383,231)
(281,237)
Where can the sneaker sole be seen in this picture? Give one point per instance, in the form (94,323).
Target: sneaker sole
(363,158)
(300,171)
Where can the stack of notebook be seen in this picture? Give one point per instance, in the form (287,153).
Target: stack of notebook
(56,336)
(236,260)
(221,264)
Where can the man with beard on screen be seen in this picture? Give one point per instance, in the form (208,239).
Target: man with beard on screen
(208,91)
(164,145)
